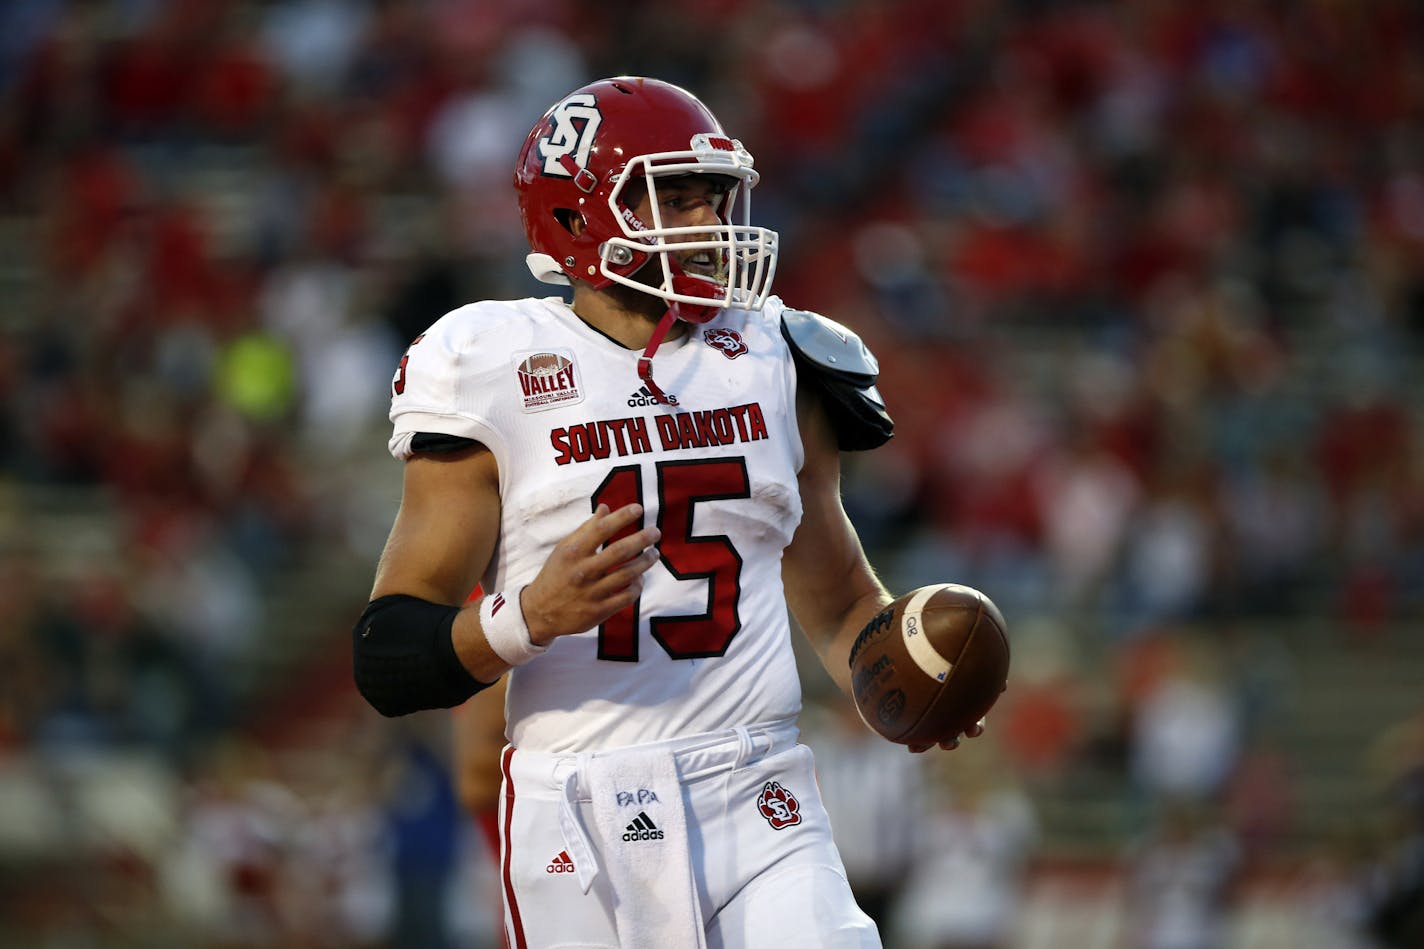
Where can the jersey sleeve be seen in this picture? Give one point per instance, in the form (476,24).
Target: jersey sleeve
(444,383)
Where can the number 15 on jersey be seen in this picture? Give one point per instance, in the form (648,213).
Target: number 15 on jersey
(680,487)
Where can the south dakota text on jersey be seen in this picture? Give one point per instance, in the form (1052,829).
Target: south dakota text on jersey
(632,436)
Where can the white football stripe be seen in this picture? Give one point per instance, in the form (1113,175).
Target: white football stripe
(916,643)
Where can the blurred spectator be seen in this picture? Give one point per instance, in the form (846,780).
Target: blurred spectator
(1041,720)
(1334,886)
(1395,908)
(29,683)
(313,42)
(224,879)
(112,675)
(338,881)
(341,358)
(1277,530)
(194,583)
(1167,553)
(1186,735)
(423,818)
(1088,497)
(1260,803)
(256,376)
(966,888)
(1182,881)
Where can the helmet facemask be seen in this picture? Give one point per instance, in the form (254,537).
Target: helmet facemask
(740,258)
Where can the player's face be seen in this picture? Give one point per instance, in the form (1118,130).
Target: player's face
(687,201)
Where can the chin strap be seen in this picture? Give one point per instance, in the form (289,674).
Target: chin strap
(645,361)
(689,313)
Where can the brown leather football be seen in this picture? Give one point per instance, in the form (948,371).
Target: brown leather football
(931,664)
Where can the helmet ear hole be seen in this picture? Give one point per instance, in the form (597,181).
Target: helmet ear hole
(570,220)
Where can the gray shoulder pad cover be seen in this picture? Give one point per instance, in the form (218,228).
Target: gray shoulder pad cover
(845,372)
(829,346)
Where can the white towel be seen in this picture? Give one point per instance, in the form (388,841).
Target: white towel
(639,819)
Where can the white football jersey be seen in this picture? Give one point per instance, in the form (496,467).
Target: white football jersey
(707,645)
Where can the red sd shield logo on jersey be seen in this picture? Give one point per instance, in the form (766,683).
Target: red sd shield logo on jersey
(730,342)
(547,379)
(779,806)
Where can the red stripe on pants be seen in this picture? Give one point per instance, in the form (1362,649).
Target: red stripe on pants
(513,905)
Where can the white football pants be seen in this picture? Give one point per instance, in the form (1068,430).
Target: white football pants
(764,866)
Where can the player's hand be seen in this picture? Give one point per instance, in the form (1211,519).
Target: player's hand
(589,576)
(949,744)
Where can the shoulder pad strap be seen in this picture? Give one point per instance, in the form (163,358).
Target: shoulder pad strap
(844,371)
(830,347)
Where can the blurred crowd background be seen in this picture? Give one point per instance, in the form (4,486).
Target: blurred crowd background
(1146,281)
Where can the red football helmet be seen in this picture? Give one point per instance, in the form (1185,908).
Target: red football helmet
(581,156)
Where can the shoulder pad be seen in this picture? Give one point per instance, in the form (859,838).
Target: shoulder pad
(844,371)
(830,347)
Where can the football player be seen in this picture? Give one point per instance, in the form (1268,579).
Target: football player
(642,478)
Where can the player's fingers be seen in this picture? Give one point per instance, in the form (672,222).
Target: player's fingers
(618,578)
(975,730)
(618,520)
(624,549)
(603,524)
(947,745)
(619,598)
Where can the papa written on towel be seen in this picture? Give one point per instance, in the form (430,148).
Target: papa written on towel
(636,795)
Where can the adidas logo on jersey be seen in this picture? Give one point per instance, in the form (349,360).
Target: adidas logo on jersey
(563,863)
(643,828)
(644,397)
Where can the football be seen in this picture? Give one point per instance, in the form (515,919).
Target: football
(931,664)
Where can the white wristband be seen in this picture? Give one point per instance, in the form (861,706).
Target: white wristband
(502,620)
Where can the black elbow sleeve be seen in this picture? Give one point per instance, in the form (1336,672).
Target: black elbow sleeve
(403,658)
